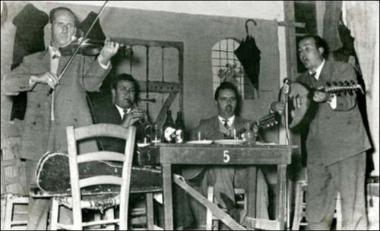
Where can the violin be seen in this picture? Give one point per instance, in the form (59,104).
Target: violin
(72,50)
(87,47)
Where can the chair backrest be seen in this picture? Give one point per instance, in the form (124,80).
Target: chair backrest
(93,131)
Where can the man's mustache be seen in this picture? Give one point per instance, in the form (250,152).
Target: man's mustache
(229,107)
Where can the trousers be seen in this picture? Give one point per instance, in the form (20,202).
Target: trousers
(324,182)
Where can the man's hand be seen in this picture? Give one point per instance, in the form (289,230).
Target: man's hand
(109,49)
(133,116)
(255,129)
(47,77)
(320,96)
(277,107)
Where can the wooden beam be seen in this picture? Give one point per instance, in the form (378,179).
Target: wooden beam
(291,46)
(160,87)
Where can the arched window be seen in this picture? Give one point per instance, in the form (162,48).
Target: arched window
(225,65)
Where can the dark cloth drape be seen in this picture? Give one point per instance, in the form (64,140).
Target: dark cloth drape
(29,38)
(96,32)
(330,24)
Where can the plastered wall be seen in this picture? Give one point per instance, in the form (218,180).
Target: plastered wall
(198,32)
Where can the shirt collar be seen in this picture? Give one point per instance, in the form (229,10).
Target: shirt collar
(121,110)
(53,51)
(318,70)
(230,120)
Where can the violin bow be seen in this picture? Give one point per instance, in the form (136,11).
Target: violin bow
(71,59)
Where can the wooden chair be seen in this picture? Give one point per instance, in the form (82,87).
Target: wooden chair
(77,202)
(16,211)
(211,222)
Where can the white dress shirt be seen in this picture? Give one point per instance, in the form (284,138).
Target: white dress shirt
(230,120)
(55,55)
(121,110)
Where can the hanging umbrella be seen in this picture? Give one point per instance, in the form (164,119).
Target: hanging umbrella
(249,56)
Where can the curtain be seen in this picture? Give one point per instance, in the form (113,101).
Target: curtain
(362,18)
(330,24)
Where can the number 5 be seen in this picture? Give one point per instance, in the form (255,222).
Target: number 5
(226,157)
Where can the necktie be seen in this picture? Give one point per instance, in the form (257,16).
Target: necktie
(312,75)
(125,111)
(225,124)
(56,54)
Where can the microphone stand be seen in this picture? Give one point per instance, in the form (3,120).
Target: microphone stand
(285,91)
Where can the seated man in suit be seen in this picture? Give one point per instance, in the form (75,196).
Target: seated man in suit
(225,179)
(124,111)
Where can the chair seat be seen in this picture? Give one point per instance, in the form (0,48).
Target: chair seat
(94,202)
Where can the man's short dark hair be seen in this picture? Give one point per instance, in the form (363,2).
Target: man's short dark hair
(126,77)
(232,87)
(62,8)
(319,42)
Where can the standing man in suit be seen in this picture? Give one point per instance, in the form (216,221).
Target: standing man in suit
(225,179)
(47,115)
(336,142)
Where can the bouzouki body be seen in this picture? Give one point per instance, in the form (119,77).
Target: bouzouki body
(300,98)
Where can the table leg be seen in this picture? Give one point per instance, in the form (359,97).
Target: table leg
(251,194)
(281,192)
(168,196)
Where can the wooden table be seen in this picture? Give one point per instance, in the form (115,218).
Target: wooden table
(216,154)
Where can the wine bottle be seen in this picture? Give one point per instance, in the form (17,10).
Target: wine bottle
(180,126)
(169,129)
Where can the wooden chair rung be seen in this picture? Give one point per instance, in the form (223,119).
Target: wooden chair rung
(101,222)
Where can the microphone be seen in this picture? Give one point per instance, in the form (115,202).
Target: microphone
(286,86)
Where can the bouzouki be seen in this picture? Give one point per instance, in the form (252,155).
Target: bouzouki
(299,97)
(265,122)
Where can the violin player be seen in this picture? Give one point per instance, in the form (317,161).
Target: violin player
(48,114)
(336,142)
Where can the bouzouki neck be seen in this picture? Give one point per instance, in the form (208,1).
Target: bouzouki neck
(267,121)
(342,86)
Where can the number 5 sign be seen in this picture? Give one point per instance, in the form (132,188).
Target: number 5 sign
(226,156)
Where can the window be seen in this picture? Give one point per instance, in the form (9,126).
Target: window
(225,65)
(305,12)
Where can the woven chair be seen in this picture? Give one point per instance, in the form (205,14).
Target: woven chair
(105,200)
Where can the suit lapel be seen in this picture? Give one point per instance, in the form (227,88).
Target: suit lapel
(116,115)
(324,76)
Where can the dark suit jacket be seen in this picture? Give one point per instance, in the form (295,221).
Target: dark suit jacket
(110,114)
(209,129)
(335,134)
